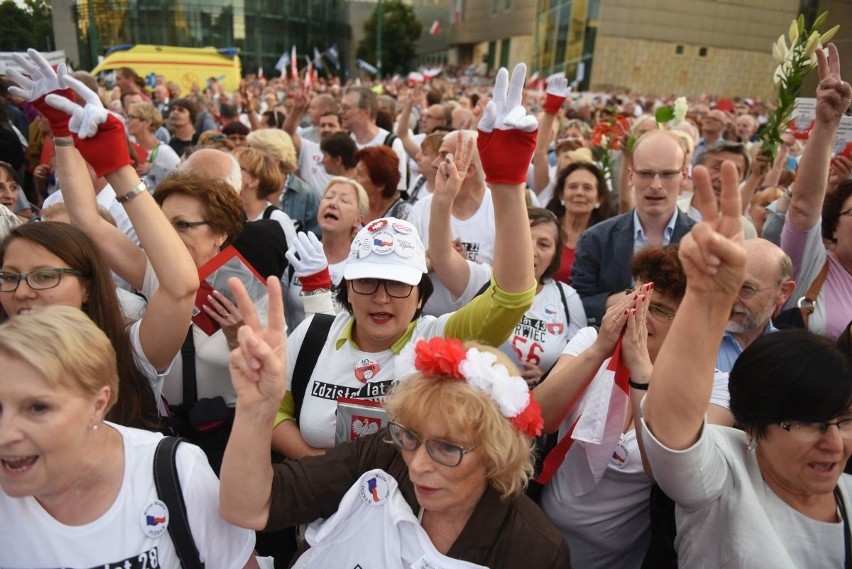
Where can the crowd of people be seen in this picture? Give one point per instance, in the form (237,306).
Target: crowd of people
(492,327)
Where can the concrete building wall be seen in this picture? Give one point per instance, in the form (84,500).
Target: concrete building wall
(65,30)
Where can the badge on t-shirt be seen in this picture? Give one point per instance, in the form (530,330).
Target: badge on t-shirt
(366,369)
(620,456)
(374,489)
(155,519)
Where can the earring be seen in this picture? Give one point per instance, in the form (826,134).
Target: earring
(598,205)
(561,202)
(94,427)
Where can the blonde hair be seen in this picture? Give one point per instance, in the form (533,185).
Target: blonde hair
(149,113)
(508,453)
(360,192)
(260,166)
(277,144)
(66,347)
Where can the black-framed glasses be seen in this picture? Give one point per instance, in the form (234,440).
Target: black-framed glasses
(748,291)
(811,432)
(395,289)
(184,226)
(649,175)
(442,452)
(660,312)
(40,279)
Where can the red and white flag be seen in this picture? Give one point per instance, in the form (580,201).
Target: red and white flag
(596,431)
(436,28)
(294,66)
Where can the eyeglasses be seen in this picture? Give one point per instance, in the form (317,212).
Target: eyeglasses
(184,226)
(811,432)
(442,452)
(649,175)
(40,279)
(137,117)
(748,291)
(659,312)
(395,289)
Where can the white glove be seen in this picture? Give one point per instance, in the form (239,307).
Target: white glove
(505,111)
(42,79)
(86,120)
(311,259)
(557,85)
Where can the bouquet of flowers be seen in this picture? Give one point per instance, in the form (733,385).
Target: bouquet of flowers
(794,63)
(609,134)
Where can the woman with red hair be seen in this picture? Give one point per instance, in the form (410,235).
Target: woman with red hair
(378,171)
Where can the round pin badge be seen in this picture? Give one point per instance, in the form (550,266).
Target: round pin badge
(620,457)
(383,243)
(374,489)
(405,246)
(366,369)
(403,228)
(361,247)
(376,225)
(155,519)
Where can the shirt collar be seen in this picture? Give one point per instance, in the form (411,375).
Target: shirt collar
(396,347)
(639,233)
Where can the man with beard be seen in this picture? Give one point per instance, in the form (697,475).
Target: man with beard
(766,288)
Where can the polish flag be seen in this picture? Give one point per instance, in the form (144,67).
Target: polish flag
(436,27)
(596,431)
(294,66)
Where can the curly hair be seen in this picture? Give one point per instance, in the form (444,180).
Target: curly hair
(220,201)
(661,266)
(508,453)
(382,166)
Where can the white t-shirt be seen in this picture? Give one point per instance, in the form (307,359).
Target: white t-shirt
(310,166)
(130,535)
(345,372)
(477,235)
(164,163)
(374,527)
(719,491)
(105,199)
(379,140)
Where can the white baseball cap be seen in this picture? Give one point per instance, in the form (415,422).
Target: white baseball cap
(388,249)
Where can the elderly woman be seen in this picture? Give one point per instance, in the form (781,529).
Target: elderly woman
(605,516)
(73,487)
(385,286)
(457,452)
(812,216)
(143,120)
(774,495)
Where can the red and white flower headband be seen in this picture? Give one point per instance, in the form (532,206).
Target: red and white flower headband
(448,357)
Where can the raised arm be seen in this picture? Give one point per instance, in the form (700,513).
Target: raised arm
(101,140)
(402,127)
(291,122)
(257,372)
(833,98)
(450,266)
(557,91)
(713,259)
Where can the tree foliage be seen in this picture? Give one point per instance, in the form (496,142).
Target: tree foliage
(400,29)
(28,26)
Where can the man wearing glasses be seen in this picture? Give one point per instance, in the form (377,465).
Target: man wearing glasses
(767,286)
(601,270)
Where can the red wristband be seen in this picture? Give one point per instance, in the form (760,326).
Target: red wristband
(316,281)
(552,103)
(107,151)
(506,155)
(58,119)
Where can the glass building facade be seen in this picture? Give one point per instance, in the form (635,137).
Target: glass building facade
(565,38)
(262,29)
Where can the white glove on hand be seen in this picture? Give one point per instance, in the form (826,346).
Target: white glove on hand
(311,258)
(505,111)
(42,79)
(86,120)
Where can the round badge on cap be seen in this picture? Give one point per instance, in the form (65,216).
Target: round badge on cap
(382,243)
(405,246)
(374,226)
(403,228)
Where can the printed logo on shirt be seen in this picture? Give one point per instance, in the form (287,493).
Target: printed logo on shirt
(366,369)
(374,490)
(532,329)
(155,519)
(363,426)
(555,328)
(550,311)
(146,560)
(470,250)
(620,456)
(333,392)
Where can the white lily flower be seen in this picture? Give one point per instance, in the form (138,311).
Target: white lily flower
(794,32)
(827,36)
(810,47)
(680,110)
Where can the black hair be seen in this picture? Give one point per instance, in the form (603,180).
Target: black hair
(791,375)
(555,204)
(424,291)
(340,145)
(831,209)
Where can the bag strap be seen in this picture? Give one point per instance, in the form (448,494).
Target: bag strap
(267,213)
(389,139)
(309,353)
(807,304)
(168,490)
(564,304)
(190,385)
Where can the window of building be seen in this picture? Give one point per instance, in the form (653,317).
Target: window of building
(702,52)
(495,7)
(492,54)
(508,5)
(679,50)
(504,53)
